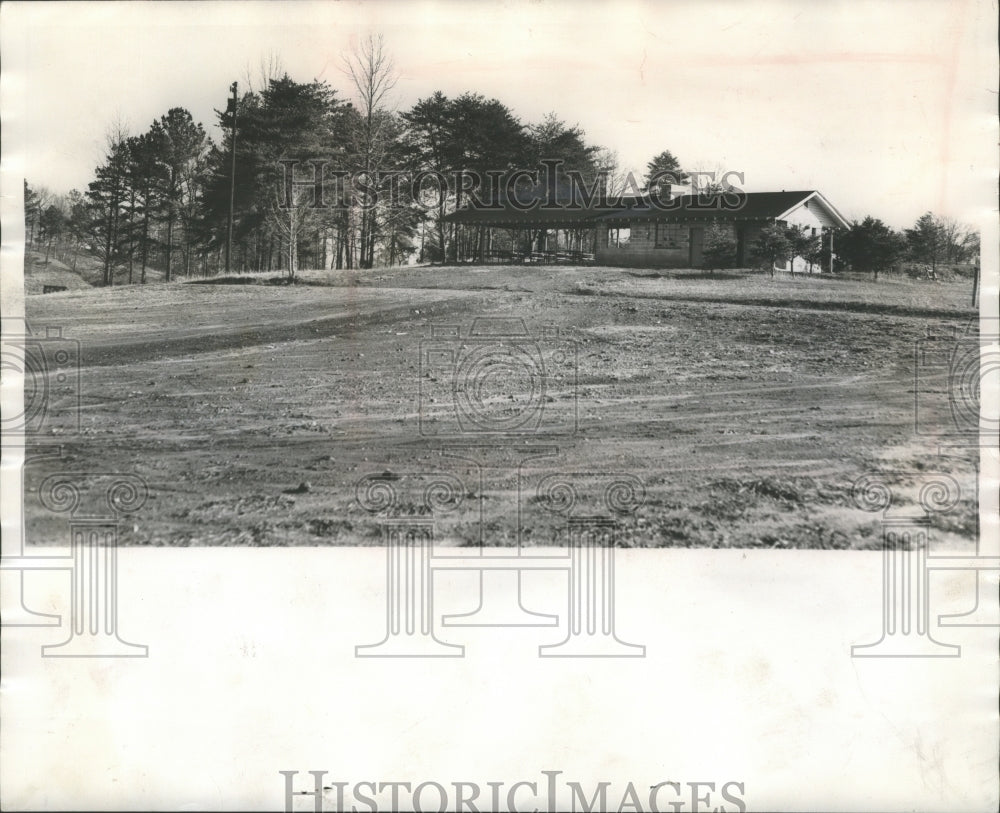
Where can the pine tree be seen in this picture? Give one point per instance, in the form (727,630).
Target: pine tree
(179,146)
(107,195)
(771,246)
(663,171)
(926,241)
(870,246)
(719,247)
(32,211)
(430,147)
(51,226)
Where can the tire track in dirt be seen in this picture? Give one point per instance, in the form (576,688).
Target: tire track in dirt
(101,355)
(863,308)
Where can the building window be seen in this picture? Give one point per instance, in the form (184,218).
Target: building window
(669,235)
(618,237)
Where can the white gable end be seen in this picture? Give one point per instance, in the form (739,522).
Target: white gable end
(814,212)
(809,217)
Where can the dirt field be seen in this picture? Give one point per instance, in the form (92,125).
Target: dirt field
(746,406)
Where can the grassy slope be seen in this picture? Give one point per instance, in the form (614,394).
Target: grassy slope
(88,272)
(38,273)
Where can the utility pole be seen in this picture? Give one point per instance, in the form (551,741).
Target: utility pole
(232,180)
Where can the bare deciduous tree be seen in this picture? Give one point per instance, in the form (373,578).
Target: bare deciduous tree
(269,66)
(371,71)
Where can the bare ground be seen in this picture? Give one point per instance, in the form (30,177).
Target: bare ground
(746,406)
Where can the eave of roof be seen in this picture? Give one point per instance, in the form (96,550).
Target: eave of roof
(731,206)
(541,217)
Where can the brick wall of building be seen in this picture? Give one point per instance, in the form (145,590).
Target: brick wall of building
(672,250)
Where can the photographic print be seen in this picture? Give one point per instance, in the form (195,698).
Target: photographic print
(500,406)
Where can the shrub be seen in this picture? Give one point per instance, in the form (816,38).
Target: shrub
(720,247)
(770,246)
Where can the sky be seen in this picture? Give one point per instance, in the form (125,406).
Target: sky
(887,108)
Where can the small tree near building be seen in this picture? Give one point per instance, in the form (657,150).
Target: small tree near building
(770,247)
(803,244)
(719,249)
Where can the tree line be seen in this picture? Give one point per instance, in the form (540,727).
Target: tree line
(160,199)
(932,245)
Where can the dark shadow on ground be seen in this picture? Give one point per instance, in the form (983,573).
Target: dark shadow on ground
(676,275)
